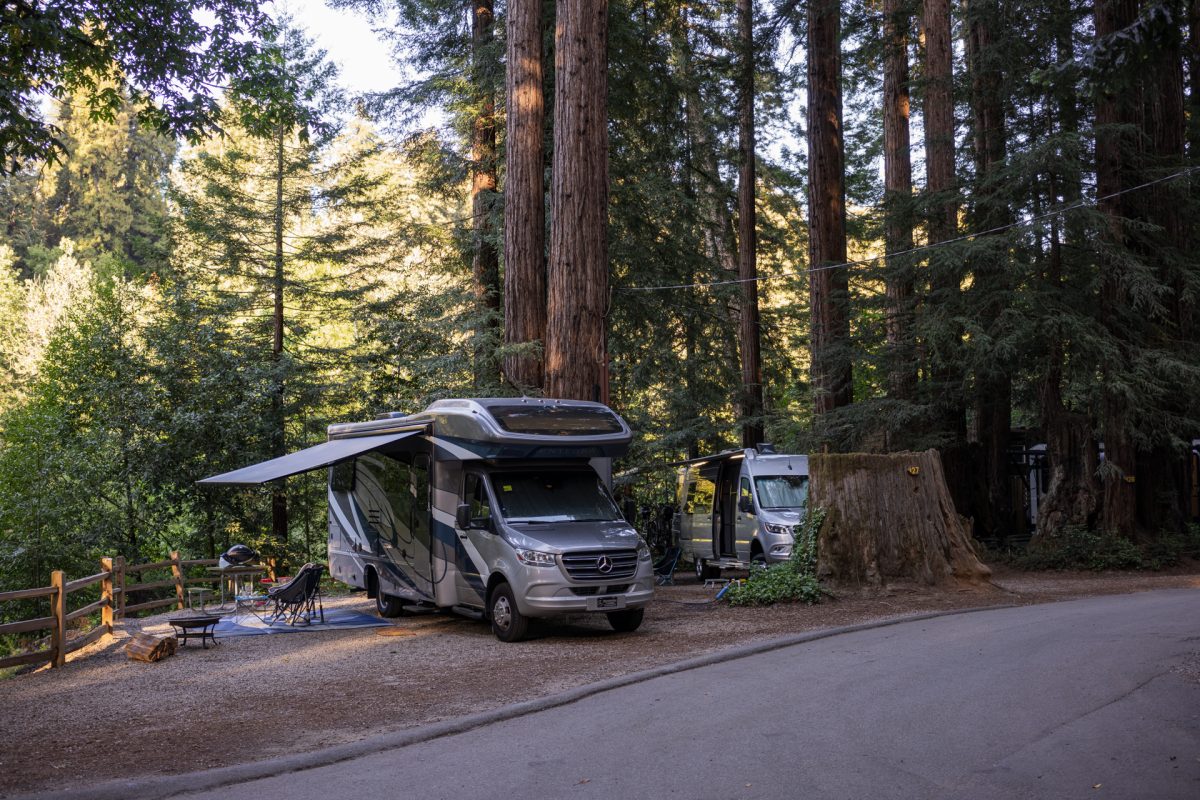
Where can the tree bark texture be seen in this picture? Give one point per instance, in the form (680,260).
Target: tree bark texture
(828,282)
(890,517)
(992,287)
(1162,487)
(939,122)
(897,179)
(1112,171)
(752,388)
(577,298)
(1193,63)
(485,260)
(524,197)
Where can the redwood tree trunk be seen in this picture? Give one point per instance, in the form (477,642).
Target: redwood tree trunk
(1162,489)
(992,287)
(890,517)
(945,277)
(897,179)
(576,361)
(524,197)
(752,388)
(828,282)
(485,262)
(1112,109)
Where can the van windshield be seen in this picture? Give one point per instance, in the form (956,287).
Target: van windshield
(559,496)
(782,491)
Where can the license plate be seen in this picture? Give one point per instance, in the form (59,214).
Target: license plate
(606,603)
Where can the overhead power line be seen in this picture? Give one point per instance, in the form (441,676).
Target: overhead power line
(921,249)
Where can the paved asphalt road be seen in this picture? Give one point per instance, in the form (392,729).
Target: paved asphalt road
(1097,698)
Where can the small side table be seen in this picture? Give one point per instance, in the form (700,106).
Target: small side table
(193,627)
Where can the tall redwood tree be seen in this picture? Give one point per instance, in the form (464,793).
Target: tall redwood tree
(577,274)
(524,198)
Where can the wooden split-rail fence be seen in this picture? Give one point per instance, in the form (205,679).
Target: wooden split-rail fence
(114,589)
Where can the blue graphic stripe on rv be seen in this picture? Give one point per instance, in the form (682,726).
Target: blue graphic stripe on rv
(462,560)
(356,530)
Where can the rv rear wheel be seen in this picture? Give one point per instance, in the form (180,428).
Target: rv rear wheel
(508,623)
(388,605)
(626,621)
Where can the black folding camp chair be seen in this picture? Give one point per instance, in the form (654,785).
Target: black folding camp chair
(298,599)
(664,568)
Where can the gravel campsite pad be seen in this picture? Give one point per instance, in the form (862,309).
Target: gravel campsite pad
(249,698)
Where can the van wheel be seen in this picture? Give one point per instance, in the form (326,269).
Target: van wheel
(388,605)
(626,621)
(508,623)
(758,561)
(706,572)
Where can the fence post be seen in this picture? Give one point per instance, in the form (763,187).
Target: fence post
(177,571)
(58,635)
(119,585)
(106,594)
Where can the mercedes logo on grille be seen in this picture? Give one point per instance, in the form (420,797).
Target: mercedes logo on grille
(604,565)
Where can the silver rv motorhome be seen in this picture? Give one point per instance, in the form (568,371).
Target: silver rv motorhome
(740,507)
(497,506)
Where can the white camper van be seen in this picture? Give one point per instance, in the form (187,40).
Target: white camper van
(493,506)
(740,507)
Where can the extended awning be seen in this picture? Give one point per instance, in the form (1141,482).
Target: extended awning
(322,455)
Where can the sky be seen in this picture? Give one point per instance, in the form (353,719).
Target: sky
(365,63)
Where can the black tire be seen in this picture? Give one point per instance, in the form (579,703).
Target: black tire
(388,605)
(705,571)
(626,621)
(508,623)
(757,561)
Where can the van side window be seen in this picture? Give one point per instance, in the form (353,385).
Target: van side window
(689,494)
(702,498)
(475,495)
(745,498)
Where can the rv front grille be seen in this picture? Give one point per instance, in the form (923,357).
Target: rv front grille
(600,565)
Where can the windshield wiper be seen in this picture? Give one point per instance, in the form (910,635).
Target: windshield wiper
(528,521)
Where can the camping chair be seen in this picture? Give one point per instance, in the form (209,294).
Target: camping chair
(299,598)
(664,569)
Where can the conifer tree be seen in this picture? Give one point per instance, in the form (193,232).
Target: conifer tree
(281,224)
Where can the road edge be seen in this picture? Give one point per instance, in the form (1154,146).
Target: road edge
(207,780)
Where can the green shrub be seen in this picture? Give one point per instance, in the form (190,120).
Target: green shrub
(793,580)
(1076,547)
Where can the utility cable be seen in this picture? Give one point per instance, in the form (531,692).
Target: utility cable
(921,249)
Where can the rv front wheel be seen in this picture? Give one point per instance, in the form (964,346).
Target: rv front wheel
(626,621)
(508,623)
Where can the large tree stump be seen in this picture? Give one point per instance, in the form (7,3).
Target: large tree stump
(145,647)
(890,517)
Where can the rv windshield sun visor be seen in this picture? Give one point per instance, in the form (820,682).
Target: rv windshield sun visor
(322,455)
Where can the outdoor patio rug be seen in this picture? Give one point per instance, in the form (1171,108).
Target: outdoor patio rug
(335,619)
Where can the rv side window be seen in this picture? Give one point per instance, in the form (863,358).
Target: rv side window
(341,476)
(475,495)
(690,496)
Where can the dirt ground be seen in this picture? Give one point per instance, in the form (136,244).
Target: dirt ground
(103,716)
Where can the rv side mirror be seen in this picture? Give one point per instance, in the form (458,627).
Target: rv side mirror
(745,506)
(462,516)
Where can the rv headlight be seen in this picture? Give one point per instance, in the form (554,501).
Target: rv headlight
(535,558)
(643,550)
(777,529)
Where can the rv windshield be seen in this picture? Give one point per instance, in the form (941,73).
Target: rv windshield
(782,491)
(558,496)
